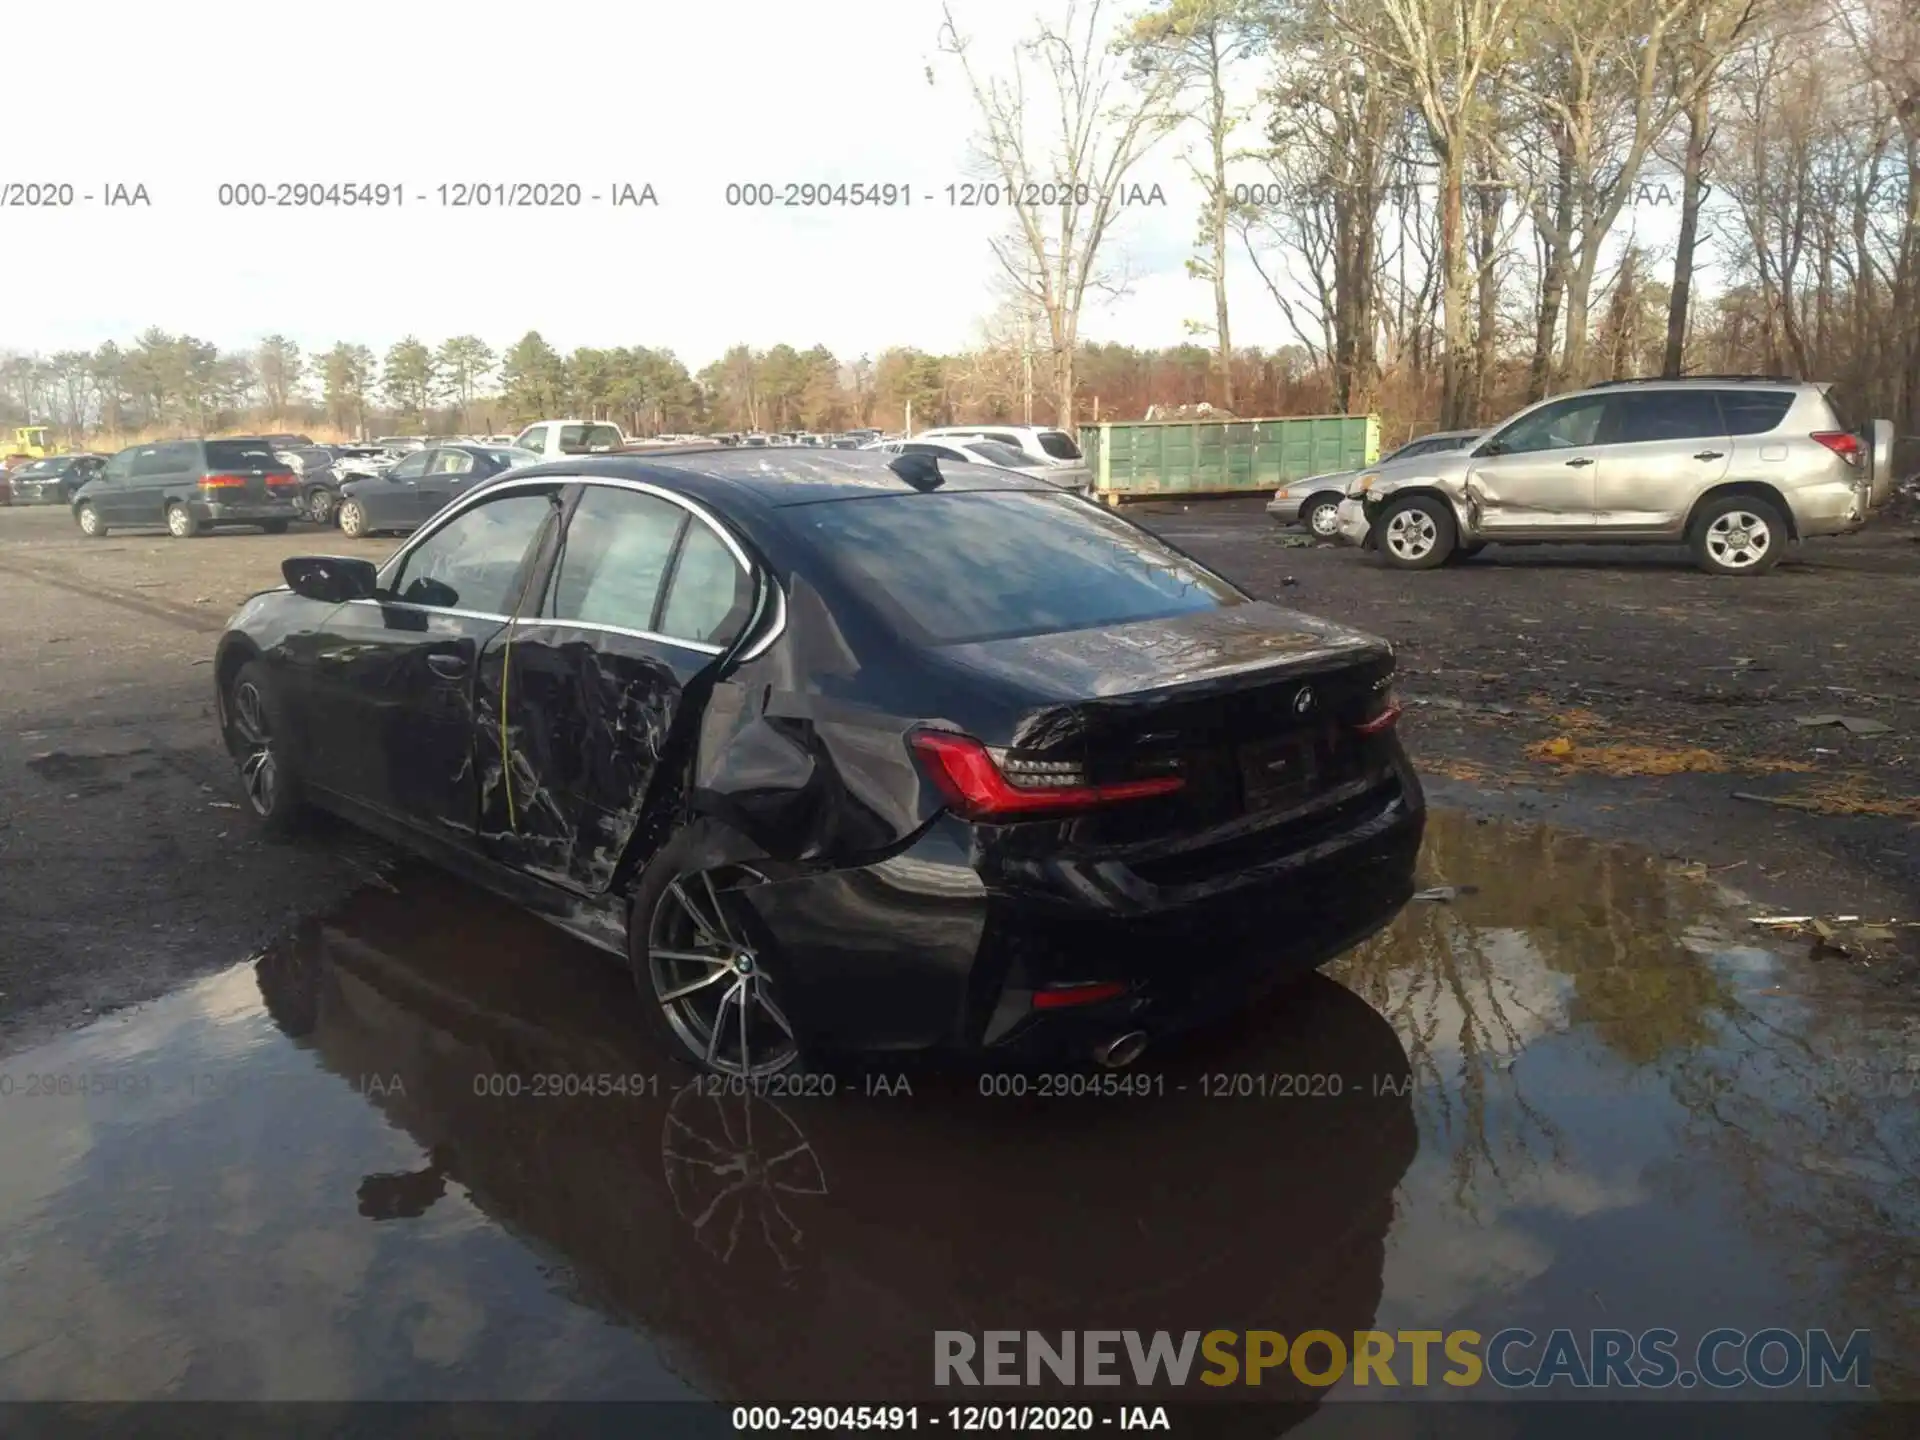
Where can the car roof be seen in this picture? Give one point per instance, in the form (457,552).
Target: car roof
(775,477)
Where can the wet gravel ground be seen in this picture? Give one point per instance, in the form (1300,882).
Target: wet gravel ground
(316,1106)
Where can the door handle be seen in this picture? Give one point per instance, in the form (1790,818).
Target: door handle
(1709,455)
(447,667)
(1578,463)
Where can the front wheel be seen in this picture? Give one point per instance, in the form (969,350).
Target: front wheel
(353,520)
(1738,535)
(258,742)
(88,519)
(1322,516)
(701,962)
(1417,533)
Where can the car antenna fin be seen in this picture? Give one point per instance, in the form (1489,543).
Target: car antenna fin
(920,471)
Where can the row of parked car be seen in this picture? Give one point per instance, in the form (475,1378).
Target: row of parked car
(1735,467)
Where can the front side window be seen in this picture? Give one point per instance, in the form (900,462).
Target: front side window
(1665,415)
(534,437)
(1564,425)
(617,549)
(965,566)
(452,462)
(473,561)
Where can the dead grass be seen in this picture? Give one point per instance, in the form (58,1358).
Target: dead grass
(1855,795)
(1637,758)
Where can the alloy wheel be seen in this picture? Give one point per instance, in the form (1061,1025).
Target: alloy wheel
(179,522)
(259,773)
(353,520)
(1738,539)
(1325,521)
(89,520)
(320,506)
(710,982)
(1411,534)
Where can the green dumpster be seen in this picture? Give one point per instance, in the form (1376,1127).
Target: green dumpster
(1140,458)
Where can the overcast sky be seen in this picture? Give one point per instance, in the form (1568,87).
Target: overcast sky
(687,98)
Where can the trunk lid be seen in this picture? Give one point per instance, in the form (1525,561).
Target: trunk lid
(1254,707)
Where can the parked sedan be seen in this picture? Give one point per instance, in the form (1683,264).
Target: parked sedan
(842,753)
(973,450)
(1314,502)
(53,480)
(405,495)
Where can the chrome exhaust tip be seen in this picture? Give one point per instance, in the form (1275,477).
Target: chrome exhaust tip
(1121,1051)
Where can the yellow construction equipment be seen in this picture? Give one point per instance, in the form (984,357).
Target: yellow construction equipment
(32,440)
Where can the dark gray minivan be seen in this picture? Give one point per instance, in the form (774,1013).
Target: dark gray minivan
(190,486)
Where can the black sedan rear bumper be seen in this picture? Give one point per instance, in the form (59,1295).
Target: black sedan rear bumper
(920,953)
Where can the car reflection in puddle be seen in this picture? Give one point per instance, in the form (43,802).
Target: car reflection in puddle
(441,1161)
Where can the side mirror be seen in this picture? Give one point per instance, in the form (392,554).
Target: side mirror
(331,579)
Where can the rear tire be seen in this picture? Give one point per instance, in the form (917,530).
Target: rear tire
(320,506)
(704,965)
(1738,535)
(1416,533)
(181,523)
(88,519)
(257,740)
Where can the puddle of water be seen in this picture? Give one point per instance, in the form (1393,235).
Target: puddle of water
(419,1150)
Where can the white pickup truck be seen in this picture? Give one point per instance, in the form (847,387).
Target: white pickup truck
(552,439)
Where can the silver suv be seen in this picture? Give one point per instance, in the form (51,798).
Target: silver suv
(1735,467)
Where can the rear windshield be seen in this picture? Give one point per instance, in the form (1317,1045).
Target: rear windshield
(987,565)
(575,439)
(43,467)
(1059,445)
(1753,412)
(241,455)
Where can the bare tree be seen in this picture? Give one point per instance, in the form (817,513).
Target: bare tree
(1064,185)
(1441,54)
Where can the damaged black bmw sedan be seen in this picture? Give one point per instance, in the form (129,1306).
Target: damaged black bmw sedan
(845,757)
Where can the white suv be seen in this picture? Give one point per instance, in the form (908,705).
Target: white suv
(1042,445)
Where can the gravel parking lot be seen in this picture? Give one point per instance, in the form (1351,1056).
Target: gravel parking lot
(1619,693)
(1575,1086)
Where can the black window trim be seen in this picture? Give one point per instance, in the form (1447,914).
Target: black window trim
(769,602)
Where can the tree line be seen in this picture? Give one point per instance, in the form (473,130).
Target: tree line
(1445,198)
(1450,204)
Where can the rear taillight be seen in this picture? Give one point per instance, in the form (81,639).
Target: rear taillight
(1087,992)
(223,482)
(975,786)
(1381,714)
(1843,443)
(280,482)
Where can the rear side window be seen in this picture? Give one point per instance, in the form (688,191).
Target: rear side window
(533,439)
(1753,412)
(711,594)
(241,455)
(157,460)
(1059,445)
(618,545)
(995,453)
(1665,415)
(955,568)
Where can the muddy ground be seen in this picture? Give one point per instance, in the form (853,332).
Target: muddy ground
(1619,693)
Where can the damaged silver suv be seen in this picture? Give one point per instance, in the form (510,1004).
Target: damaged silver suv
(1735,467)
